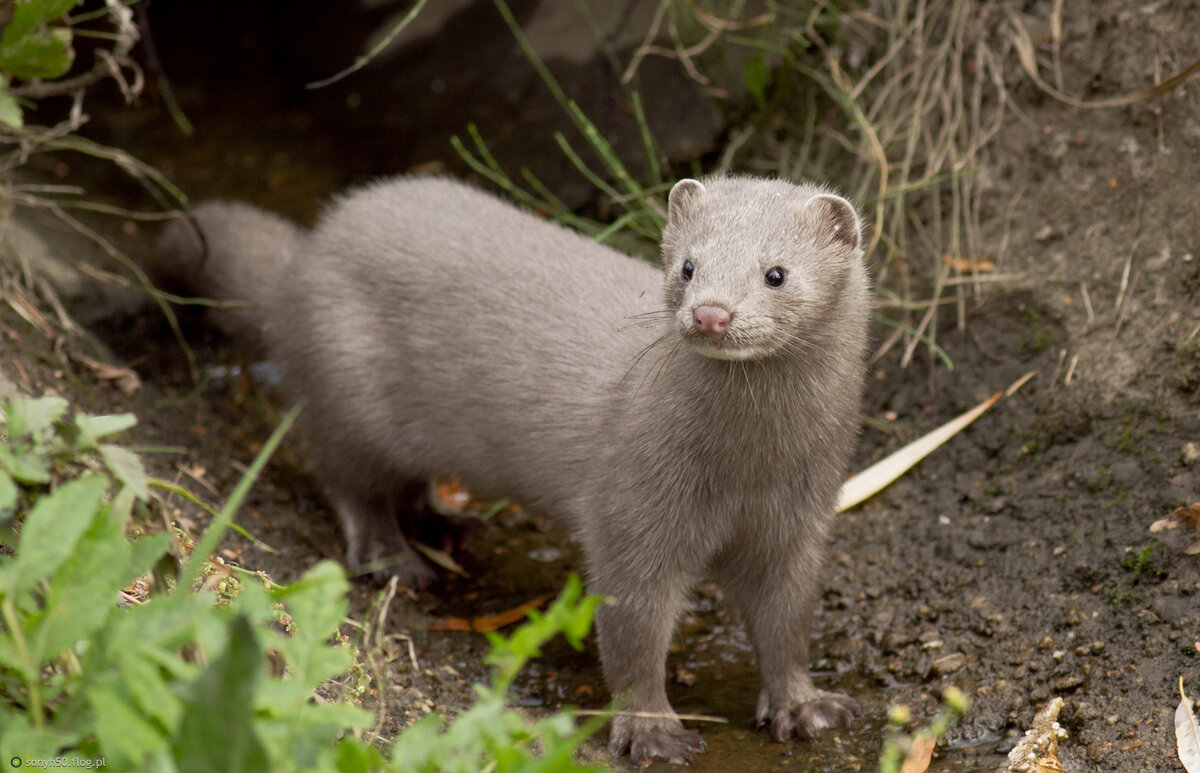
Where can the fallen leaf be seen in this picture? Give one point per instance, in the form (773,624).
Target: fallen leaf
(883,473)
(1189,516)
(29,312)
(125,379)
(1187,733)
(919,754)
(969,265)
(489,622)
(442,559)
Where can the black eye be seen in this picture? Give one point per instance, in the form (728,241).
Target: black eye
(688,270)
(775,277)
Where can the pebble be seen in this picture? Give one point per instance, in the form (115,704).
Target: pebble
(948,664)
(1068,683)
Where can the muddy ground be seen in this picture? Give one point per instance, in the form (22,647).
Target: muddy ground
(1022,546)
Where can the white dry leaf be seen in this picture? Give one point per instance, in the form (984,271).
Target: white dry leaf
(1170,522)
(883,473)
(442,559)
(1187,733)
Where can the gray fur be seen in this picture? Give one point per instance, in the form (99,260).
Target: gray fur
(432,329)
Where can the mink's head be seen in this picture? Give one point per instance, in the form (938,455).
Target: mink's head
(757,268)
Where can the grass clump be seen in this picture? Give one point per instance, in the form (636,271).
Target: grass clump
(138,655)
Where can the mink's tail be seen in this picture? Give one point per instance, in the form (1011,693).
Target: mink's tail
(242,257)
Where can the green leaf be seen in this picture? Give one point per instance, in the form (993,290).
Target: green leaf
(27,466)
(354,756)
(8,495)
(317,604)
(756,75)
(28,415)
(10,110)
(146,551)
(93,428)
(33,13)
(17,734)
(83,591)
(147,686)
(54,526)
(126,467)
(39,55)
(217,731)
(123,732)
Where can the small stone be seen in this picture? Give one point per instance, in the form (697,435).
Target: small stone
(1046,643)
(1190,453)
(948,664)
(1058,655)
(1068,683)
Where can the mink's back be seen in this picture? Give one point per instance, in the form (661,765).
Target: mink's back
(430,328)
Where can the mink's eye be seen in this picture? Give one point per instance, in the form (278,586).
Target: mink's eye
(775,277)
(688,270)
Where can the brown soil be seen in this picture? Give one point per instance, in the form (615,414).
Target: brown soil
(1023,544)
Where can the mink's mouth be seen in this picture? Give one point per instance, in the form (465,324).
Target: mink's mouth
(725,349)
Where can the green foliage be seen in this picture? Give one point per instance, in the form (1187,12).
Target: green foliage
(181,682)
(490,730)
(641,205)
(174,683)
(30,48)
(1145,563)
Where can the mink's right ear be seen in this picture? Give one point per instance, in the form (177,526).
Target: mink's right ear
(683,200)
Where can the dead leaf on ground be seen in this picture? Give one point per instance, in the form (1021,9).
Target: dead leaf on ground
(1187,732)
(969,265)
(883,473)
(28,311)
(442,559)
(490,622)
(1187,517)
(125,379)
(919,754)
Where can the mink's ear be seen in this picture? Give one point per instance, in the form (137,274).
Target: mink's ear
(834,218)
(683,200)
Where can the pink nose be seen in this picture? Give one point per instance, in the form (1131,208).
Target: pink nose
(712,320)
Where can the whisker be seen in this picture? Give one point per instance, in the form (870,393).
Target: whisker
(654,313)
(637,358)
(749,387)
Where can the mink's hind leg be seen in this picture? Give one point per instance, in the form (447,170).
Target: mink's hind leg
(375,542)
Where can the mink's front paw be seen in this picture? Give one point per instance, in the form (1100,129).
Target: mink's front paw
(647,739)
(823,711)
